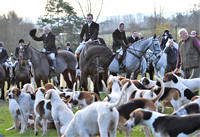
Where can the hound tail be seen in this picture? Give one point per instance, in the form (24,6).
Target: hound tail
(11,128)
(73,93)
(121,96)
(161,91)
(95,95)
(106,90)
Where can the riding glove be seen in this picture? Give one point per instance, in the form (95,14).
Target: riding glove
(44,50)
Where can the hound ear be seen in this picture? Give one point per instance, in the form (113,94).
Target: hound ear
(18,92)
(174,79)
(138,117)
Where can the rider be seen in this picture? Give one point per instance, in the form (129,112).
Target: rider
(20,46)
(49,47)
(91,31)
(4,57)
(119,41)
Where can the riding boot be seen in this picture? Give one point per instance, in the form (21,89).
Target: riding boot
(30,71)
(54,65)
(120,60)
(77,58)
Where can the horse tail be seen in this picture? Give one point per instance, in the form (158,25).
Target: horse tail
(95,95)
(121,96)
(161,91)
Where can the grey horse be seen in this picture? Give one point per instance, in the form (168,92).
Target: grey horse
(134,54)
(66,64)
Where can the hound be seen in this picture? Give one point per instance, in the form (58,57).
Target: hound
(125,110)
(61,114)
(148,83)
(28,87)
(133,92)
(190,108)
(192,84)
(80,98)
(15,111)
(163,125)
(113,84)
(42,110)
(186,93)
(26,103)
(98,118)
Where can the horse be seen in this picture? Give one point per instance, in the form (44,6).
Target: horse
(133,58)
(160,63)
(95,67)
(22,71)
(2,80)
(65,60)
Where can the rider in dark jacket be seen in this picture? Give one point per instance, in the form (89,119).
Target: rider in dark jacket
(119,41)
(49,47)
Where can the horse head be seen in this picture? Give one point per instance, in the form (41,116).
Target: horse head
(155,47)
(24,55)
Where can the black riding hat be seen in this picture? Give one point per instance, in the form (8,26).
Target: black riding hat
(21,41)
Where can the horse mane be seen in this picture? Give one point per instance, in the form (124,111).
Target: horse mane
(140,41)
(97,50)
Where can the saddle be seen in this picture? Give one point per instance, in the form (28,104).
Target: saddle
(117,57)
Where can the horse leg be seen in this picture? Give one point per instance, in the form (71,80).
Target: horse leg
(73,76)
(83,81)
(128,74)
(2,90)
(67,79)
(38,82)
(95,79)
(103,76)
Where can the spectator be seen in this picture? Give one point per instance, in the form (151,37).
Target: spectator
(140,36)
(195,34)
(133,38)
(188,54)
(171,52)
(166,35)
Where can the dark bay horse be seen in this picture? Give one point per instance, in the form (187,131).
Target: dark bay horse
(91,67)
(22,72)
(66,64)
(2,80)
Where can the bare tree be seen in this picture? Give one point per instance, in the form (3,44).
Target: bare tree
(94,8)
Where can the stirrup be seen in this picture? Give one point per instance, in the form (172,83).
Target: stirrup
(121,66)
(53,68)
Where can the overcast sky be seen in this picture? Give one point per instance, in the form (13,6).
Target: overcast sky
(32,9)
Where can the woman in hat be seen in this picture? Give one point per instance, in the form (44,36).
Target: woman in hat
(166,35)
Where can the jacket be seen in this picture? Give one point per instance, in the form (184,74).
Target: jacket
(90,32)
